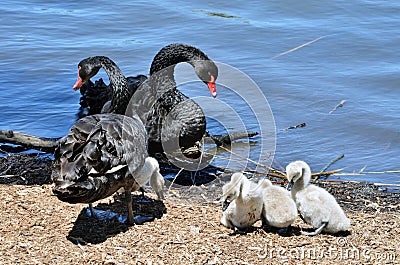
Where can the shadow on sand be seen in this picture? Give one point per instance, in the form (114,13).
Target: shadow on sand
(87,229)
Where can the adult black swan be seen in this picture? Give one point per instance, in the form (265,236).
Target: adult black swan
(95,95)
(104,152)
(101,154)
(169,116)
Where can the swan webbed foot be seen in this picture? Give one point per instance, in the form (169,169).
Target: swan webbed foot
(92,212)
(128,197)
(160,195)
(317,231)
(141,189)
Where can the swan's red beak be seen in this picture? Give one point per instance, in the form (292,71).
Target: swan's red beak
(213,87)
(79,81)
(78,84)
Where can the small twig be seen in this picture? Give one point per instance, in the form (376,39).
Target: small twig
(362,170)
(5,171)
(270,174)
(339,181)
(325,173)
(256,163)
(386,185)
(337,106)
(362,173)
(298,47)
(330,164)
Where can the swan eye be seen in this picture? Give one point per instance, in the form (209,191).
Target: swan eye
(82,73)
(212,78)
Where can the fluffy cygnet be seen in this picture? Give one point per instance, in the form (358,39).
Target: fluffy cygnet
(151,172)
(279,209)
(242,203)
(316,206)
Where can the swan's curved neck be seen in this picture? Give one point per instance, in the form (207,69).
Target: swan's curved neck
(299,184)
(119,85)
(163,66)
(173,54)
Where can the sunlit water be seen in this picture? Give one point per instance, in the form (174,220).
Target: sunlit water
(356,60)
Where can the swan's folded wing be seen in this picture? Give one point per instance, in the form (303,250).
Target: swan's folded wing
(105,141)
(76,138)
(121,140)
(142,101)
(314,196)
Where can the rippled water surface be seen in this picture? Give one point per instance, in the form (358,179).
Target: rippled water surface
(356,59)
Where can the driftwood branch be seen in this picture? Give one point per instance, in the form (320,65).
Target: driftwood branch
(29,141)
(49,144)
(228,138)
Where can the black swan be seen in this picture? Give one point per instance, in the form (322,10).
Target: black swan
(104,152)
(157,97)
(95,95)
(101,154)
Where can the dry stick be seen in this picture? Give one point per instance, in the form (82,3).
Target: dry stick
(325,173)
(272,174)
(5,171)
(386,184)
(362,173)
(256,163)
(362,169)
(277,173)
(50,144)
(332,162)
(340,181)
(337,106)
(298,47)
(329,164)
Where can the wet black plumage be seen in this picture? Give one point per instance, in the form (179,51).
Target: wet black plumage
(95,145)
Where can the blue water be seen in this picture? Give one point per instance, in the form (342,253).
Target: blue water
(356,60)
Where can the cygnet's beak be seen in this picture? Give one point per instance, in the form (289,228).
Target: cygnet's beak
(290,186)
(225,205)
